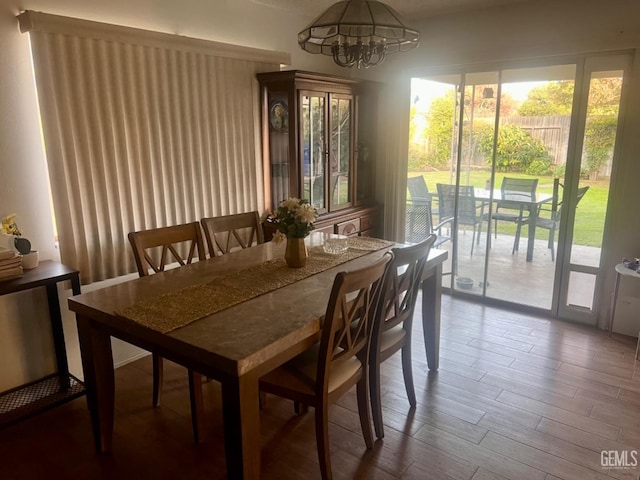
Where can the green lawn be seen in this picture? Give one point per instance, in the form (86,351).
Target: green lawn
(589,215)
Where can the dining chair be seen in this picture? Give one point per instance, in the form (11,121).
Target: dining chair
(153,250)
(321,375)
(513,191)
(552,222)
(394,321)
(230,232)
(469,211)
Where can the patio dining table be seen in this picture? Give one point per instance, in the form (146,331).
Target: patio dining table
(255,332)
(517,200)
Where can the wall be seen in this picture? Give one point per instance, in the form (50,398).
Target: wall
(524,30)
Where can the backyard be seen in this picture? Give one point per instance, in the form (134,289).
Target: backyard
(589,214)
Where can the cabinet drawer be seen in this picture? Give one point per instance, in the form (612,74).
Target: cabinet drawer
(369,222)
(325,229)
(350,227)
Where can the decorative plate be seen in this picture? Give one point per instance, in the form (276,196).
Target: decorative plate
(279,116)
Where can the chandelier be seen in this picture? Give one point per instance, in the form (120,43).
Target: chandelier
(358,33)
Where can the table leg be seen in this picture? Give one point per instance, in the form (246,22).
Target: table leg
(97,364)
(533,219)
(614,301)
(241,413)
(431,299)
(58,334)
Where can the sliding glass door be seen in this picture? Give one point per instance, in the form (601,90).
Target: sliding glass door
(517,163)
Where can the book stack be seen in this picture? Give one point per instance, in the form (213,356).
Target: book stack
(10,264)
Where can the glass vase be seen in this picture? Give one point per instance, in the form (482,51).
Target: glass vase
(296,252)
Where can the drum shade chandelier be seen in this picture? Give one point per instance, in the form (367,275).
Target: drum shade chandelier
(358,33)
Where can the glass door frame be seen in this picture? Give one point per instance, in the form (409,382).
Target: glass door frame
(585,64)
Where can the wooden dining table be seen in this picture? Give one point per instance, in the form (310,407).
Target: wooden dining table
(235,346)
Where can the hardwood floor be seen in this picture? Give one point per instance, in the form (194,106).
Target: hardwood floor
(516,397)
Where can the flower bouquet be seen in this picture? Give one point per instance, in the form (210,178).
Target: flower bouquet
(293,220)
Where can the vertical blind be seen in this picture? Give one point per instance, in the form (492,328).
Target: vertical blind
(142,130)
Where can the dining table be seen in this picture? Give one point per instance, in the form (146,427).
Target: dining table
(232,318)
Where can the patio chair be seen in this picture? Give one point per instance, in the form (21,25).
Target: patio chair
(513,191)
(552,223)
(467,213)
(420,223)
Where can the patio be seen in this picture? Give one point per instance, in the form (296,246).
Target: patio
(511,277)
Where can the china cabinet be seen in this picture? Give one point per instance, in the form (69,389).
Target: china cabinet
(318,138)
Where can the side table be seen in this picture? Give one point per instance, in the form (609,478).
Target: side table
(622,271)
(60,387)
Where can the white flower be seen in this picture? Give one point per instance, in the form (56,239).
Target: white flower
(293,217)
(307,213)
(290,204)
(278,237)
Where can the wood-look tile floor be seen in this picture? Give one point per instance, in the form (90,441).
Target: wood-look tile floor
(516,397)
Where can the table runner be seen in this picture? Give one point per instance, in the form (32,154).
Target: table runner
(182,307)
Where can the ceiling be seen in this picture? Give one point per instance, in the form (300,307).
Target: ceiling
(408,9)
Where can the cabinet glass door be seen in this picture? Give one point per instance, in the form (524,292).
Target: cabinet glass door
(313,141)
(340,150)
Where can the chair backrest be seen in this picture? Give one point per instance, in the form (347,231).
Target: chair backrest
(230,232)
(467,207)
(557,202)
(151,247)
(402,282)
(349,319)
(418,190)
(518,188)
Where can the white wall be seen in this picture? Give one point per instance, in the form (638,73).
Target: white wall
(536,29)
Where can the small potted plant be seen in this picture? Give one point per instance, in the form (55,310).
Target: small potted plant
(21,244)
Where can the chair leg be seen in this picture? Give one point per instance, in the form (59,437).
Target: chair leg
(300,408)
(197,405)
(322,440)
(407,372)
(362,393)
(376,403)
(516,241)
(157,378)
(473,239)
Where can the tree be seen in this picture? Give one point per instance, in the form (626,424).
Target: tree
(556,98)
(550,99)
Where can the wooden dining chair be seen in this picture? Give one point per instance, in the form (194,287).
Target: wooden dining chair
(322,374)
(230,232)
(153,250)
(394,321)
